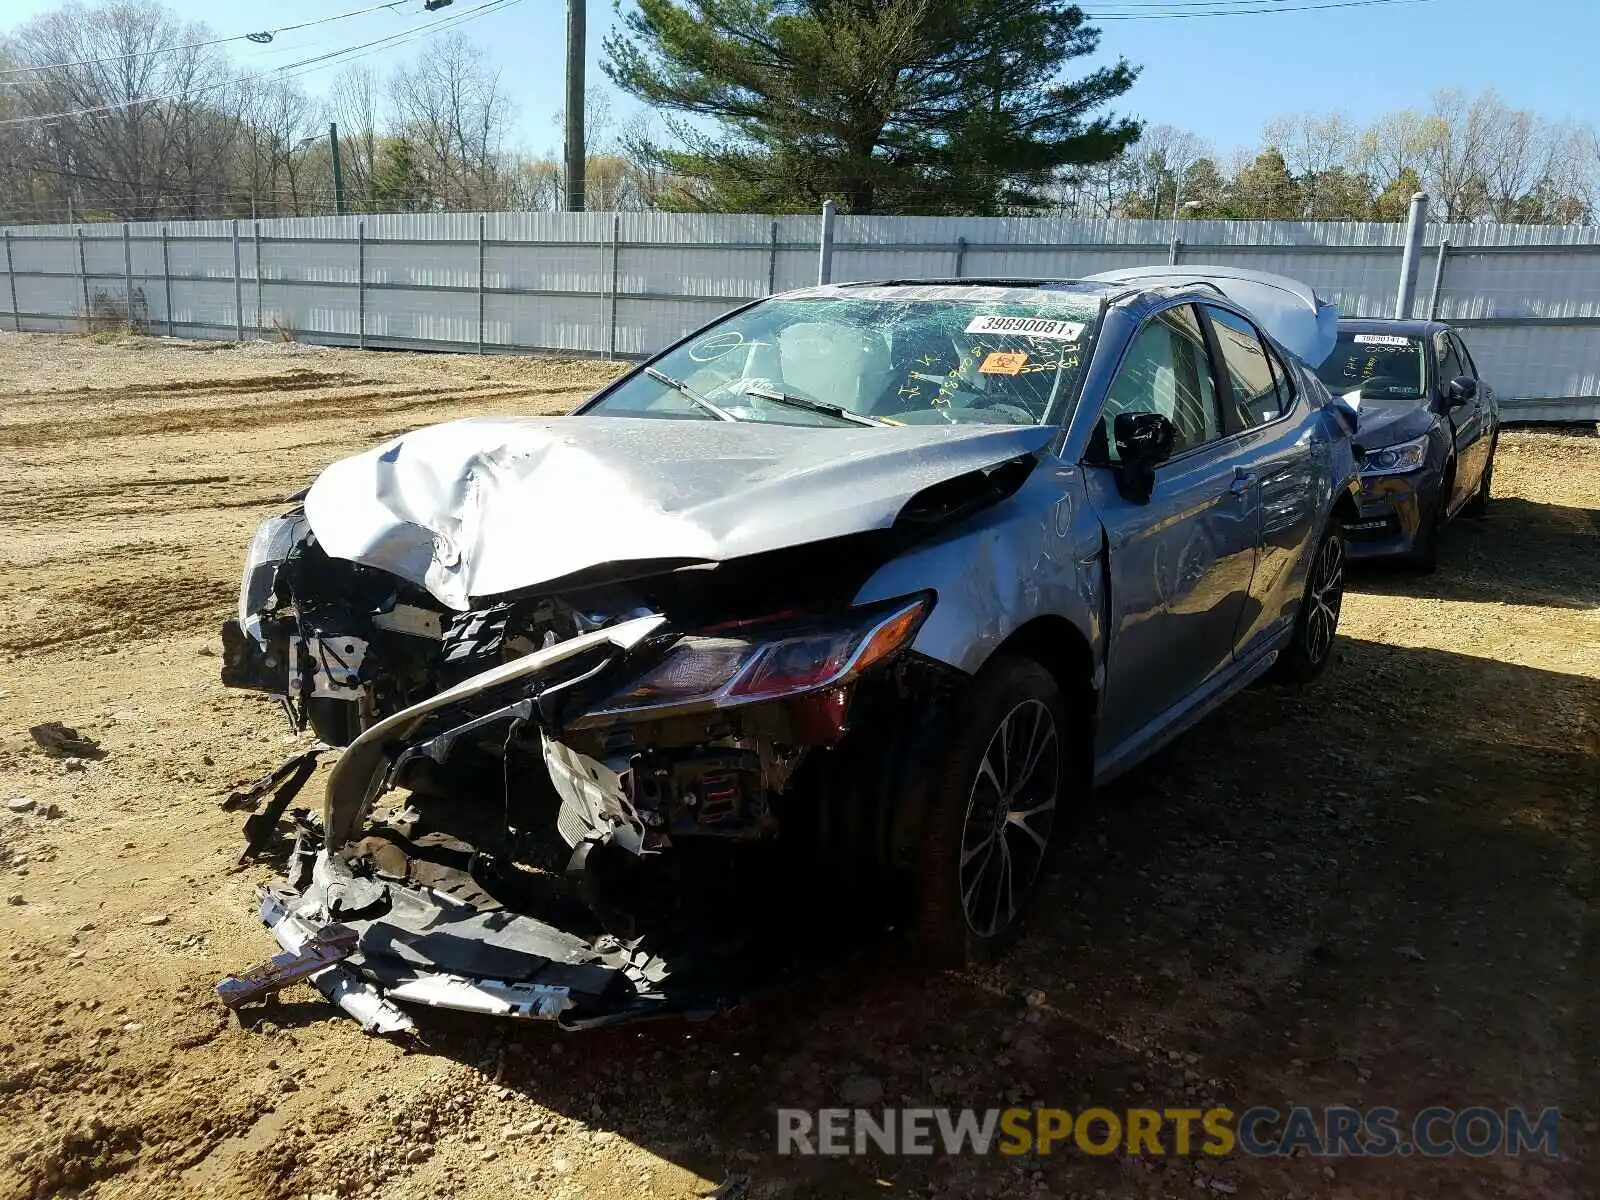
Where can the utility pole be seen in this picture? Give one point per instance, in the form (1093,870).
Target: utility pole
(338,168)
(575,89)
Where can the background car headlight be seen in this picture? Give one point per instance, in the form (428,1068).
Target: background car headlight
(274,540)
(766,663)
(1396,459)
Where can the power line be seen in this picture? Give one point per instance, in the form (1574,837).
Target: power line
(1239,12)
(1275,5)
(310,65)
(264,35)
(302,67)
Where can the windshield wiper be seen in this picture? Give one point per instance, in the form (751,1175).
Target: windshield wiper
(690,394)
(816,406)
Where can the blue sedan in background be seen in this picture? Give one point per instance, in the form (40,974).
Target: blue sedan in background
(1429,425)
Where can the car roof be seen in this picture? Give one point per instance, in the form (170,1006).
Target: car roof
(1408,328)
(940,289)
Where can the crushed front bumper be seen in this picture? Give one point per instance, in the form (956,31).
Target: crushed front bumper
(1392,511)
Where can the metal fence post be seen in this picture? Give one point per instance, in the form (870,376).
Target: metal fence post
(83,281)
(825,250)
(772,260)
(11,275)
(166,278)
(361,284)
(1438,280)
(127,273)
(616,270)
(961,254)
(1411,256)
(238,288)
(482,255)
(260,298)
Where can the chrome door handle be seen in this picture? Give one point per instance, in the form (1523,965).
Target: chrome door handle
(1242,484)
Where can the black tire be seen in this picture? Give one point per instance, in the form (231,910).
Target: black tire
(979,859)
(335,722)
(1424,558)
(1478,506)
(1310,648)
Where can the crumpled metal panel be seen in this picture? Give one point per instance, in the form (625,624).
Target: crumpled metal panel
(1299,319)
(481,507)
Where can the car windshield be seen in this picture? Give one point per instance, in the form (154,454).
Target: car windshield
(888,355)
(1378,365)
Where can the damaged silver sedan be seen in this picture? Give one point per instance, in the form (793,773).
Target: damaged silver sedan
(813,623)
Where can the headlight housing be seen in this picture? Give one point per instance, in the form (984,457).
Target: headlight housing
(1397,459)
(723,669)
(274,540)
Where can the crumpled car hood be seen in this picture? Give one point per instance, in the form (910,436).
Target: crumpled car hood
(481,507)
(1387,423)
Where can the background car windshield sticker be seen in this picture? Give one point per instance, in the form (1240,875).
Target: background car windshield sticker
(1389,352)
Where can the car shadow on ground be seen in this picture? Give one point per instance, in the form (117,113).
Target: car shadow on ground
(1373,891)
(1545,555)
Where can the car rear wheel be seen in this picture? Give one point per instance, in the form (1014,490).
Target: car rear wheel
(992,810)
(1311,645)
(1478,506)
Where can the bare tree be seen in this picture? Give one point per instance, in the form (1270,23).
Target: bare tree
(279,120)
(1321,152)
(157,123)
(451,107)
(1391,146)
(355,102)
(1455,152)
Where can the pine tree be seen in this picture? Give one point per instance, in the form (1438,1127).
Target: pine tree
(397,184)
(899,106)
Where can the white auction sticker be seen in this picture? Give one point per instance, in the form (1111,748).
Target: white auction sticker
(1380,339)
(1039,327)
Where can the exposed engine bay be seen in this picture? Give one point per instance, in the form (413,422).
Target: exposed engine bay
(593,804)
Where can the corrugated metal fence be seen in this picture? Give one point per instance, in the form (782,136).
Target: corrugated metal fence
(626,284)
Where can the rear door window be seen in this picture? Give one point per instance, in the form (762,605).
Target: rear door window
(1258,389)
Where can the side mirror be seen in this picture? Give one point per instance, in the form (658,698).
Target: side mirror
(1144,437)
(1461,390)
(1144,441)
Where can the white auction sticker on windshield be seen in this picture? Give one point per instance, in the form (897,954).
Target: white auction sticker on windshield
(1380,339)
(1038,327)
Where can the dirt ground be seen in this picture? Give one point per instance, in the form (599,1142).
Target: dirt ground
(1380,890)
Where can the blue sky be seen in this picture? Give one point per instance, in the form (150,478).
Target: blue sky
(1222,77)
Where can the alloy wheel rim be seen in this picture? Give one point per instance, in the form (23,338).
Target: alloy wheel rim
(1326,594)
(1011,811)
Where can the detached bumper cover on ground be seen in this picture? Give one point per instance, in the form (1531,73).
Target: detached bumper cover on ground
(418,946)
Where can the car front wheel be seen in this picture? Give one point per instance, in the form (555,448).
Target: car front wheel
(1478,506)
(992,810)
(1311,645)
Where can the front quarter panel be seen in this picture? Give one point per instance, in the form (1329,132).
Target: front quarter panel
(1035,554)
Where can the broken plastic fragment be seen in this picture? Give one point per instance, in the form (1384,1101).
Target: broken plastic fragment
(323,948)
